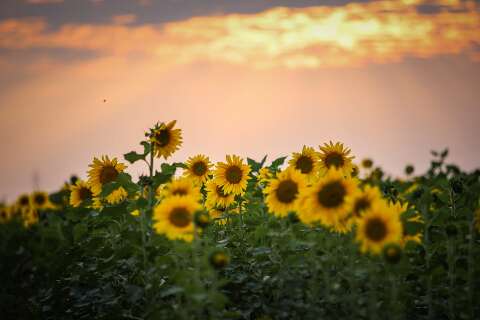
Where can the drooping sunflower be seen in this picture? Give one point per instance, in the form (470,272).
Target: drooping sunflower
(174,217)
(379,226)
(80,193)
(103,171)
(198,168)
(23,202)
(40,200)
(336,156)
(283,192)
(184,187)
(232,176)
(117,196)
(305,161)
(166,140)
(216,197)
(329,199)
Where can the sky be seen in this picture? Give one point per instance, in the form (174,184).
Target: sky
(392,80)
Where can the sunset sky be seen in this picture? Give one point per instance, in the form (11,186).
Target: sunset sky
(391,79)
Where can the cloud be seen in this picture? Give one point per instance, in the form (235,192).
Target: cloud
(124,19)
(350,35)
(44,1)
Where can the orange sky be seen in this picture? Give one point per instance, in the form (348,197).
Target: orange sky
(390,82)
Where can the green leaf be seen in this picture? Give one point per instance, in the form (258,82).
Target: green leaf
(146,147)
(133,157)
(277,163)
(109,188)
(254,165)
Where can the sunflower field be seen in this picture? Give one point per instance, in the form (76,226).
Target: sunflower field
(315,235)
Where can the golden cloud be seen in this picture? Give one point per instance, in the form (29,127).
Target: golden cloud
(349,35)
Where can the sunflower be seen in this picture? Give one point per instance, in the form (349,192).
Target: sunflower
(174,217)
(117,196)
(283,192)
(80,193)
(216,197)
(30,217)
(217,216)
(336,156)
(477,219)
(166,140)
(40,200)
(103,171)
(329,199)
(198,168)
(23,201)
(306,161)
(364,200)
(378,227)
(232,176)
(184,187)
(264,175)
(5,214)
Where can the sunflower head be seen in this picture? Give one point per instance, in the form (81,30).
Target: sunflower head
(29,217)
(80,193)
(305,161)
(219,259)
(5,213)
(329,199)
(392,253)
(198,168)
(283,192)
(165,139)
(378,227)
(103,171)
(336,156)
(364,199)
(40,200)
(216,197)
(183,187)
(264,175)
(174,217)
(232,175)
(23,201)
(216,215)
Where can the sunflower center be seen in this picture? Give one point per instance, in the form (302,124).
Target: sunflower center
(199,168)
(233,174)
(376,230)
(304,164)
(24,201)
(334,159)
(361,205)
(162,137)
(332,194)
(287,191)
(84,194)
(220,192)
(108,174)
(180,192)
(40,199)
(180,217)
(3,214)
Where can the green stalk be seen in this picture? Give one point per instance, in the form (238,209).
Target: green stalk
(451,278)
(471,266)
(395,313)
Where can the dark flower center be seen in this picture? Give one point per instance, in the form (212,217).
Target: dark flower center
(233,174)
(376,230)
(3,214)
(180,192)
(180,217)
(332,194)
(361,205)
(220,192)
(40,199)
(84,193)
(304,164)
(108,174)
(334,159)
(24,201)
(199,168)
(287,191)
(162,137)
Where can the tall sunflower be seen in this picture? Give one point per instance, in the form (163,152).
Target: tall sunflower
(174,217)
(166,140)
(23,202)
(216,197)
(40,200)
(378,227)
(29,217)
(329,199)
(80,193)
(336,156)
(184,187)
(305,161)
(232,176)
(5,213)
(198,168)
(103,171)
(283,192)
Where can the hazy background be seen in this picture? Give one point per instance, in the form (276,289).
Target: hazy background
(391,79)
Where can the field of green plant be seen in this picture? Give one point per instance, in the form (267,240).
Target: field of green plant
(315,235)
